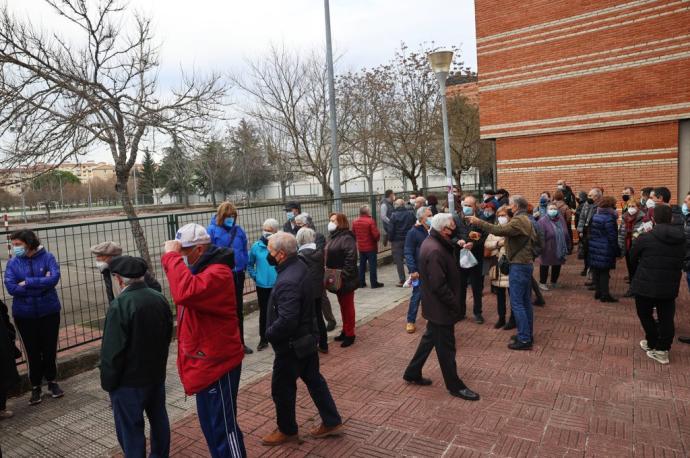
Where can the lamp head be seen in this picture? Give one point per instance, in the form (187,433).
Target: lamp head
(440,61)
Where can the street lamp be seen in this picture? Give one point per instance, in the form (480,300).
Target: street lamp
(335,164)
(440,64)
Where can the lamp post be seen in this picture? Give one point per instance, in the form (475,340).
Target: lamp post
(440,64)
(335,164)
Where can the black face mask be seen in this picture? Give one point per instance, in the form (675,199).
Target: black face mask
(590,201)
(271,260)
(626,197)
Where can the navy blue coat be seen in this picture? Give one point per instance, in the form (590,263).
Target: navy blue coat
(401,221)
(37,297)
(413,242)
(603,239)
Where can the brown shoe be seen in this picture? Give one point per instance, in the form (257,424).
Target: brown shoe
(278,438)
(325,431)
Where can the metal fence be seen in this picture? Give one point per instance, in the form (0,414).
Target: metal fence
(81,289)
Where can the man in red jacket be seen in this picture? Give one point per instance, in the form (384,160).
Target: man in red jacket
(209,348)
(367,235)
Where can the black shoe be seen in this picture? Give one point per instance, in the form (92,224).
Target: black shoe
(347,341)
(514,338)
(509,325)
(517,345)
(323,350)
(539,303)
(608,299)
(583,273)
(479,319)
(597,296)
(363,285)
(55,390)
(36,396)
(466,394)
(247,350)
(500,323)
(591,288)
(589,283)
(685,340)
(421,381)
(262,345)
(340,337)
(330,326)
(377,285)
(462,318)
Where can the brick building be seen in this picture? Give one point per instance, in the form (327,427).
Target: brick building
(595,92)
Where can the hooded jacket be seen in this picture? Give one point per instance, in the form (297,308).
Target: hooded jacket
(658,259)
(38,297)
(222,236)
(208,333)
(263,274)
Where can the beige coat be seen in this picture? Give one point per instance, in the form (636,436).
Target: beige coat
(497,278)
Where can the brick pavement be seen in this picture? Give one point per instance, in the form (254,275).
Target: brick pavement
(586,389)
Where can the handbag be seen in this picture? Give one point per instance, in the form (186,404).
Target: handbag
(333,278)
(504,265)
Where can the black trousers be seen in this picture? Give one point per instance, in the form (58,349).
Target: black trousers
(263,295)
(600,278)
(474,277)
(629,266)
(442,338)
(537,291)
(320,324)
(544,273)
(3,399)
(287,368)
(239,298)
(40,338)
(659,337)
(326,308)
(501,304)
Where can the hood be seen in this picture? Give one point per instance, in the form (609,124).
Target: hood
(214,255)
(669,234)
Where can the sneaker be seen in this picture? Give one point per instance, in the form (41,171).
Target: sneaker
(36,396)
(543,287)
(644,346)
(325,431)
(658,355)
(410,328)
(247,350)
(4,414)
(55,390)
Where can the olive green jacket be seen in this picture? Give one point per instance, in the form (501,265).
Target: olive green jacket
(519,234)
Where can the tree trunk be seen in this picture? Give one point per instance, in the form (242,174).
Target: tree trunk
(137,230)
(47,204)
(413,181)
(370,183)
(283,191)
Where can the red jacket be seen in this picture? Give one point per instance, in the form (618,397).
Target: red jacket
(366,233)
(208,334)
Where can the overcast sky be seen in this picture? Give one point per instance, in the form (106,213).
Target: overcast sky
(220,34)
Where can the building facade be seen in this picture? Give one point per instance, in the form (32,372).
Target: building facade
(594,92)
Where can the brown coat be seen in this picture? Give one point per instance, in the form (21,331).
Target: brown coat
(440,280)
(564,210)
(341,253)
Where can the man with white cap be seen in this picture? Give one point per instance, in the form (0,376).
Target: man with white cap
(210,351)
(105,252)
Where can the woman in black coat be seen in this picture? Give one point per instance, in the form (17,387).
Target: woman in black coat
(657,257)
(8,354)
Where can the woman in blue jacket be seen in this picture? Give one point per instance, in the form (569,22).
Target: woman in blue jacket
(30,277)
(603,247)
(225,232)
(264,275)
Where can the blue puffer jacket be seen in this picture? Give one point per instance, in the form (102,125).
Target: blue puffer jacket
(221,236)
(263,274)
(603,239)
(38,297)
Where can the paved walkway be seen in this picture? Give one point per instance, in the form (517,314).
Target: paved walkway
(81,424)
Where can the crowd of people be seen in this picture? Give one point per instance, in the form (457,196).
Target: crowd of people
(437,252)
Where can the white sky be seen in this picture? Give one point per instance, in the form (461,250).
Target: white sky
(220,34)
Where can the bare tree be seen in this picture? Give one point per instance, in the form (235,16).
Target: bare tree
(276,146)
(63,100)
(212,166)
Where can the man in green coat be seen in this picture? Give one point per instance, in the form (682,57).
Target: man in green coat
(134,355)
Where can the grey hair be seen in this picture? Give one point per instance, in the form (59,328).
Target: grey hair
(441,221)
(552,205)
(305,235)
(272,223)
(302,218)
(285,242)
(130,281)
(398,203)
(420,212)
(520,202)
(596,191)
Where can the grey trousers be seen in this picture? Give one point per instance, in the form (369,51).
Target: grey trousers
(398,248)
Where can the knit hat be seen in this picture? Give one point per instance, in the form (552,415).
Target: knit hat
(192,234)
(107,249)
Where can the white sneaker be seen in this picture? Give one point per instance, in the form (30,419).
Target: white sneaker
(543,287)
(643,344)
(660,356)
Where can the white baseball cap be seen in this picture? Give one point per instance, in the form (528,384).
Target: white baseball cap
(192,235)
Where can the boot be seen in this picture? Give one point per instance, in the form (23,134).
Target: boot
(500,323)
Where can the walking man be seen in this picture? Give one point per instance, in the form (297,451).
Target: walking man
(440,283)
(401,221)
(292,332)
(134,355)
(413,243)
(367,236)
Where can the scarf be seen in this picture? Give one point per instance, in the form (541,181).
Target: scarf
(561,246)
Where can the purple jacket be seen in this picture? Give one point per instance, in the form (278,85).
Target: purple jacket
(550,253)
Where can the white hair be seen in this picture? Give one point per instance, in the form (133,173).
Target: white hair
(398,203)
(305,235)
(129,281)
(272,224)
(441,221)
(420,212)
(302,218)
(285,242)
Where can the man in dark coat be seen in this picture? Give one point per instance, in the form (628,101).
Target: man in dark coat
(685,210)
(401,221)
(292,209)
(134,355)
(291,330)
(568,195)
(440,282)
(105,252)
(8,354)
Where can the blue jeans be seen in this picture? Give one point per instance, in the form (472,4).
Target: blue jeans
(520,291)
(129,405)
(364,258)
(414,304)
(216,406)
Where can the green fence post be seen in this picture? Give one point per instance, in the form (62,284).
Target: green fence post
(372,205)
(172,226)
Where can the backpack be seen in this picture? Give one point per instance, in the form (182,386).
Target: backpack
(538,239)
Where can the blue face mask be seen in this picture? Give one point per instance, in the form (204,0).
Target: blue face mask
(685,209)
(229,221)
(18,251)
(428,221)
(543,201)
(553,213)
(290,216)
(467,211)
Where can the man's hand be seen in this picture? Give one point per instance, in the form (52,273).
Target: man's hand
(472,219)
(414,275)
(172,246)
(468,246)
(461,243)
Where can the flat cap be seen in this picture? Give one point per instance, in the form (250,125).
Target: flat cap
(128,266)
(107,249)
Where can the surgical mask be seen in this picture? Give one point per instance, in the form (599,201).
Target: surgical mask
(412,201)
(467,211)
(102,266)
(502,220)
(428,221)
(650,203)
(290,216)
(632,210)
(488,214)
(19,251)
(271,259)
(229,222)
(266,234)
(590,201)
(626,197)
(332,226)
(552,213)
(561,187)
(685,209)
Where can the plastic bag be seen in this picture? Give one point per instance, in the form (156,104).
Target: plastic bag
(467,259)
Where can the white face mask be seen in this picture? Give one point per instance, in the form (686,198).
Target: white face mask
(102,266)
(650,203)
(267,234)
(412,201)
(332,226)
(632,210)
(502,220)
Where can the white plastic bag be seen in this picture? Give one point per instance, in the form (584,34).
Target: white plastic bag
(467,259)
